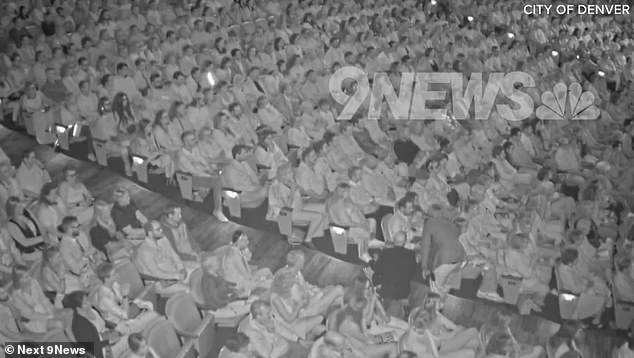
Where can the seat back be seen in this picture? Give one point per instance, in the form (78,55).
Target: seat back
(185,185)
(384,230)
(285,221)
(567,300)
(195,279)
(126,273)
(511,288)
(42,122)
(29,123)
(339,236)
(63,133)
(182,312)
(623,311)
(163,339)
(139,166)
(101,152)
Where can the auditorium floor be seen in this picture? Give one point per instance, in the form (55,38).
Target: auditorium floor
(268,247)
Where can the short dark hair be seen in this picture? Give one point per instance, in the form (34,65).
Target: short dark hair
(236,342)
(134,341)
(121,65)
(238,149)
(236,235)
(569,255)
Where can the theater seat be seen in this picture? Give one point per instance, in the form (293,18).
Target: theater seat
(185,185)
(339,237)
(511,288)
(162,337)
(139,166)
(231,199)
(101,152)
(623,311)
(568,301)
(182,312)
(126,273)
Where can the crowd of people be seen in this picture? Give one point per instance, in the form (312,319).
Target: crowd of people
(236,95)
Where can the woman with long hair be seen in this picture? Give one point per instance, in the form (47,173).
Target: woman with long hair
(122,111)
(24,229)
(105,128)
(351,323)
(167,134)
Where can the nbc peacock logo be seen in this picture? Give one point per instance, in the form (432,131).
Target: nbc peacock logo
(567,103)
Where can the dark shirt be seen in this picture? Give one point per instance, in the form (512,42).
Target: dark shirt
(215,291)
(125,216)
(394,270)
(100,238)
(48,28)
(87,335)
(405,151)
(56,91)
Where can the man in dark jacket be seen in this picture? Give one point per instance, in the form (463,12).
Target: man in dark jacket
(393,271)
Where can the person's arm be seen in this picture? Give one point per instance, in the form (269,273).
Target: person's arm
(288,316)
(17,235)
(159,269)
(108,305)
(425,249)
(75,264)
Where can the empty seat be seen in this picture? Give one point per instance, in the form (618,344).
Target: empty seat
(162,337)
(182,312)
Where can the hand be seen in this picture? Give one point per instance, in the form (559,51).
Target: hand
(426,273)
(183,274)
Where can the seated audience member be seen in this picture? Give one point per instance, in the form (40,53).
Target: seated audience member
(176,231)
(320,299)
(284,193)
(89,327)
(623,280)
(422,339)
(31,176)
(239,175)
(500,324)
(112,301)
(9,186)
(143,144)
(104,235)
(216,291)
(139,347)
(593,292)
(206,176)
(156,258)
(625,350)
(289,305)
(37,313)
(343,212)
(268,154)
(76,197)
(236,346)
(395,268)
(502,345)
(400,220)
(50,211)
(264,335)
(54,274)
(351,322)
(334,345)
(236,267)
(78,254)
(566,340)
(24,230)
(126,215)
(9,254)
